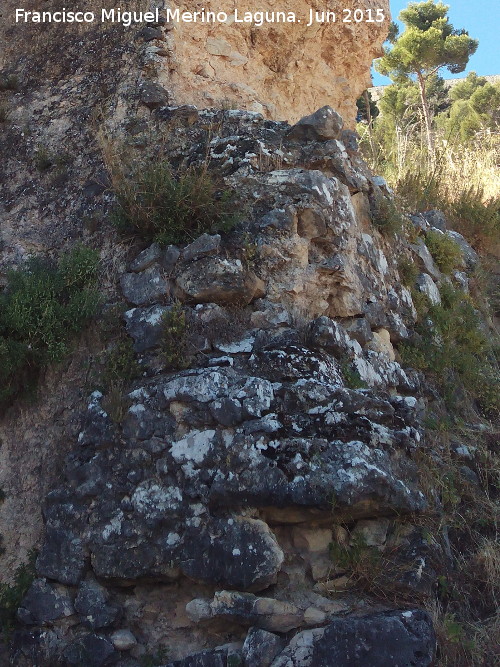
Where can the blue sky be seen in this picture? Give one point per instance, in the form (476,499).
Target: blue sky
(481,19)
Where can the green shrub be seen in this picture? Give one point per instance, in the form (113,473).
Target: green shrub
(4,113)
(408,272)
(120,367)
(11,596)
(351,376)
(42,307)
(8,82)
(174,344)
(159,204)
(444,251)
(475,216)
(45,160)
(386,216)
(453,348)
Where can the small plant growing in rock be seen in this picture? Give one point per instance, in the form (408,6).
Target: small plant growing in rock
(408,272)
(160,204)
(4,113)
(120,369)
(444,251)
(386,217)
(174,344)
(362,562)
(250,250)
(45,160)
(12,595)
(351,376)
(120,365)
(9,82)
(43,306)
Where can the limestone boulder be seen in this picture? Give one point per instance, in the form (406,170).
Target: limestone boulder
(324,124)
(219,280)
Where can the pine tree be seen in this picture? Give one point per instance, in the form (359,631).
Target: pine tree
(428,43)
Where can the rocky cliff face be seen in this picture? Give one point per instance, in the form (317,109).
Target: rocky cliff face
(214,514)
(58,96)
(255,496)
(283,70)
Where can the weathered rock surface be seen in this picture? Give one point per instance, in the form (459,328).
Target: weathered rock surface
(143,288)
(218,501)
(261,647)
(427,286)
(44,604)
(323,125)
(401,638)
(219,281)
(284,70)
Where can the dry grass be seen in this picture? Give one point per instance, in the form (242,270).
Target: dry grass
(463,181)
(464,519)
(475,164)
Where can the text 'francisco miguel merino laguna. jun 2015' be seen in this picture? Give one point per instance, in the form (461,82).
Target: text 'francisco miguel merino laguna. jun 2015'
(258,18)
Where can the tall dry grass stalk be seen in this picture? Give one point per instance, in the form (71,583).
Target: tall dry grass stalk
(476,164)
(463,181)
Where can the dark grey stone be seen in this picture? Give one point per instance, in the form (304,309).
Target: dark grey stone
(145,326)
(261,647)
(436,219)
(43,604)
(240,554)
(145,287)
(359,330)
(146,258)
(170,257)
(152,95)
(62,556)
(402,638)
(227,411)
(332,337)
(323,125)
(350,139)
(279,219)
(149,33)
(422,251)
(89,651)
(203,659)
(92,604)
(204,245)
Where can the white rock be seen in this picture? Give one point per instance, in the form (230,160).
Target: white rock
(123,640)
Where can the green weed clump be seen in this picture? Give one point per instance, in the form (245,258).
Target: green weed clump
(8,82)
(43,306)
(386,216)
(408,272)
(120,368)
(453,348)
(175,343)
(351,376)
(12,595)
(444,251)
(159,204)
(4,113)
(476,216)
